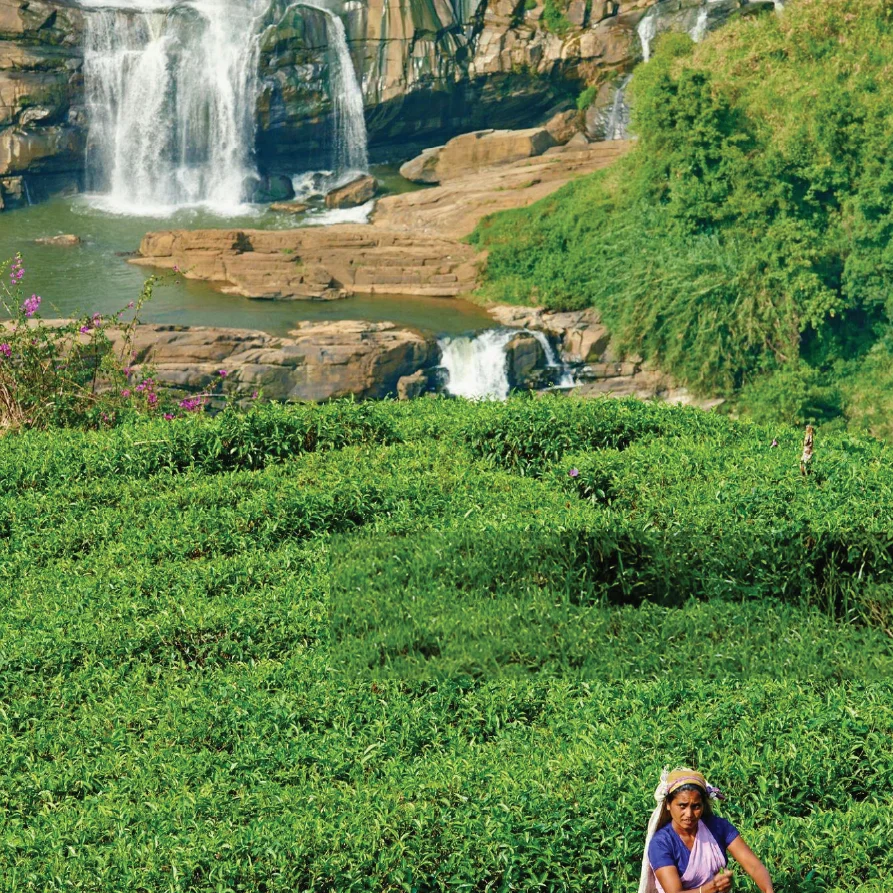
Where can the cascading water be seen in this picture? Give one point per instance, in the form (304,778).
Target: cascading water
(617,125)
(565,378)
(171,93)
(699,31)
(647,31)
(350,154)
(476,365)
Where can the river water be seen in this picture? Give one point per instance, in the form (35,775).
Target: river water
(94,277)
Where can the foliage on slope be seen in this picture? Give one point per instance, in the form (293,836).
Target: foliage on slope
(414,651)
(750,229)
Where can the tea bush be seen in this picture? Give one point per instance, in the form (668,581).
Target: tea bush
(396,647)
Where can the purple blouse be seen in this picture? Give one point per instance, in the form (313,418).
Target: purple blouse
(666,847)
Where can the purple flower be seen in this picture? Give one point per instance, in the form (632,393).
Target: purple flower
(30,305)
(192,404)
(574,472)
(168,416)
(125,393)
(222,373)
(131,305)
(6,350)
(153,399)
(773,444)
(127,370)
(85,330)
(254,395)
(176,268)
(141,387)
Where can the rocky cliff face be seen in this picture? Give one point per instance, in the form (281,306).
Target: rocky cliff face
(429,69)
(41,99)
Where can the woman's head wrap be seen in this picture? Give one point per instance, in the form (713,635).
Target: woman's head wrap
(670,782)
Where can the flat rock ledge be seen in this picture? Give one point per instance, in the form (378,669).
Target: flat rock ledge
(315,263)
(316,361)
(412,247)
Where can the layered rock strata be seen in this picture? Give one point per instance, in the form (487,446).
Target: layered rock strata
(316,361)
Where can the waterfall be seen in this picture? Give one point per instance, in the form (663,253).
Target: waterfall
(171,92)
(476,365)
(565,378)
(350,145)
(647,31)
(617,125)
(699,31)
(347,99)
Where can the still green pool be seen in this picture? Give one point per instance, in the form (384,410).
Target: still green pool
(95,277)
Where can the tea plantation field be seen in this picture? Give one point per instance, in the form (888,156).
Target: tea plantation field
(438,646)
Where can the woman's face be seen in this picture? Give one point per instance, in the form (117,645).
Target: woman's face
(685,810)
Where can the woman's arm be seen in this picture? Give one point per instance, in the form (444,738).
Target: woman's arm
(748,860)
(672,883)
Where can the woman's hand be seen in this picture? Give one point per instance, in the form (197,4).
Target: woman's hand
(723,881)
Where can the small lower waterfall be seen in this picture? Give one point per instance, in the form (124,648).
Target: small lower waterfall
(565,378)
(476,365)
(171,91)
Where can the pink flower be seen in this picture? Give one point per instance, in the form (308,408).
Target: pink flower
(222,373)
(192,404)
(127,370)
(574,472)
(153,399)
(6,350)
(131,305)
(125,393)
(29,307)
(168,416)
(85,330)
(176,268)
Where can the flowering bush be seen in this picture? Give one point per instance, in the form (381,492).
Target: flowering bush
(68,372)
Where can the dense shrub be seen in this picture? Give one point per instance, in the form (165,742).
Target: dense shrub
(749,229)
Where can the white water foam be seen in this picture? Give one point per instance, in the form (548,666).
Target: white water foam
(171,92)
(477,365)
(329,217)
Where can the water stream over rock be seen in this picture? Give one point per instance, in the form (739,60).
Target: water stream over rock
(171,103)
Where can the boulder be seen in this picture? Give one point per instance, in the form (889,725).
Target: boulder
(288,207)
(412,386)
(67,240)
(486,148)
(423,168)
(524,355)
(563,126)
(317,361)
(274,188)
(352,194)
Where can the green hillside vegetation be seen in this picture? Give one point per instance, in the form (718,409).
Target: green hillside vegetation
(745,244)
(438,646)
